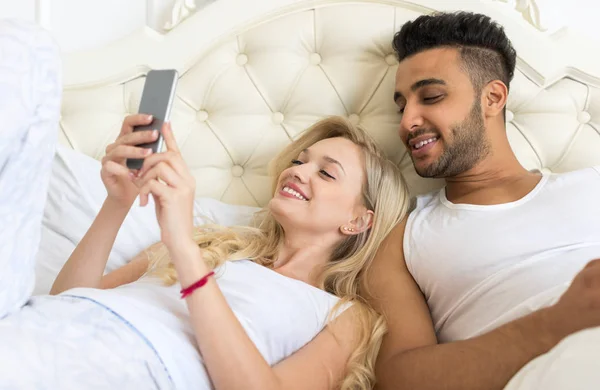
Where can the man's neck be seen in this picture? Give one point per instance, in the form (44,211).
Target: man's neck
(492,181)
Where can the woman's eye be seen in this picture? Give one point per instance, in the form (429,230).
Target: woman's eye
(324,173)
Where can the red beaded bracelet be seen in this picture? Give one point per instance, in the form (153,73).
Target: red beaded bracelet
(188,290)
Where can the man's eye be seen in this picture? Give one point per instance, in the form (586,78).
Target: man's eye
(430,99)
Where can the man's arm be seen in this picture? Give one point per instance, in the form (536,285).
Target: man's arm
(410,357)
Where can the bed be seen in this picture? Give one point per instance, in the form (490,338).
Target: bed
(254,74)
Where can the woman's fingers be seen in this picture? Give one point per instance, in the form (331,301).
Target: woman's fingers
(168,167)
(156,189)
(162,172)
(133,139)
(115,169)
(169,138)
(135,120)
(172,158)
(122,152)
(138,137)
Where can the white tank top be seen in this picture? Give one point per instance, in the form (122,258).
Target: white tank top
(278,313)
(482,266)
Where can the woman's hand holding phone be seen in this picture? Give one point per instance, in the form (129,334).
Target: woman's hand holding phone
(117,178)
(168,179)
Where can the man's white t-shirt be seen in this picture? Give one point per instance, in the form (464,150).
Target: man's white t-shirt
(482,266)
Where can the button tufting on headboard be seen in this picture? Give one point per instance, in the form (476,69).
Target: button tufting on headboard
(202,116)
(277,118)
(255,90)
(315,58)
(242,59)
(509,116)
(237,171)
(354,119)
(391,60)
(584,117)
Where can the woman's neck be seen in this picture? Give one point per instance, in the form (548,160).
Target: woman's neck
(302,260)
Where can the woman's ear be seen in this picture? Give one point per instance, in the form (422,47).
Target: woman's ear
(359,224)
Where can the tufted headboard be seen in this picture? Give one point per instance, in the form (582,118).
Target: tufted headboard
(254,74)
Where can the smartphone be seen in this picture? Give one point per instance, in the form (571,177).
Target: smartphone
(157,99)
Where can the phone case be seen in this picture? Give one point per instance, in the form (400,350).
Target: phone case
(157,99)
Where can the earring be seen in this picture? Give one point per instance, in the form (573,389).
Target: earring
(351,229)
(345,228)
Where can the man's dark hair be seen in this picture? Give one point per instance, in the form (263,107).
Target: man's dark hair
(486,52)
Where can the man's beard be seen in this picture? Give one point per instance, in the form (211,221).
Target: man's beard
(469,146)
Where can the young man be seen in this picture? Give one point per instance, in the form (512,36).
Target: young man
(496,268)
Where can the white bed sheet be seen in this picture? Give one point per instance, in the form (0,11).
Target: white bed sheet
(574,364)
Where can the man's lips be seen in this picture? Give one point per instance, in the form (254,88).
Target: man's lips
(416,141)
(423,149)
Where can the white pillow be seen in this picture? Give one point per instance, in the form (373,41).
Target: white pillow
(75,195)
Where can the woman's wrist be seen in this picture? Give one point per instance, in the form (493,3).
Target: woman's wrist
(188,262)
(117,206)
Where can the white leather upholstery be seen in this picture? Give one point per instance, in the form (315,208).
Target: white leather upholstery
(246,92)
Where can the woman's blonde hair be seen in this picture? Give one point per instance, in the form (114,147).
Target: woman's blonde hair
(384,192)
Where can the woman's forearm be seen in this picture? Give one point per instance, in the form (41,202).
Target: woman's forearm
(225,346)
(86,264)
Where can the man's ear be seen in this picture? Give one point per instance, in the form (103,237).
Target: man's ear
(494,96)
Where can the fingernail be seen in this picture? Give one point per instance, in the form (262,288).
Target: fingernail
(149,117)
(154,133)
(148,151)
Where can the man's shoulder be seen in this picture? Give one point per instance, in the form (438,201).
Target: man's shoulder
(581,173)
(419,203)
(574,185)
(421,200)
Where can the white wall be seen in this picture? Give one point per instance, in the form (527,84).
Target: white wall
(84,24)
(582,16)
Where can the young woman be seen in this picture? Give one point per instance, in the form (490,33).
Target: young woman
(273,306)
(276,306)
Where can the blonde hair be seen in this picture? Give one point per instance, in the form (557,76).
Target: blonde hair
(384,192)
